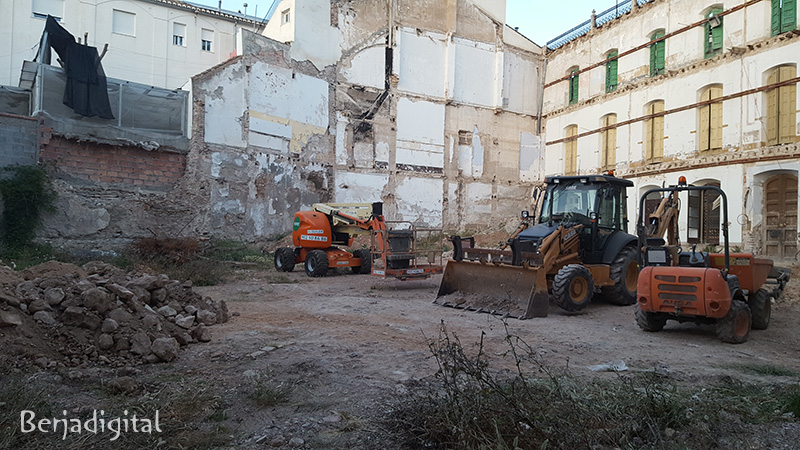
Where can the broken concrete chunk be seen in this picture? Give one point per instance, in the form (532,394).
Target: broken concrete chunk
(206,317)
(54,295)
(44,317)
(120,291)
(105,341)
(98,299)
(38,305)
(77,316)
(167,311)
(10,319)
(109,326)
(184,321)
(165,348)
(140,344)
(190,309)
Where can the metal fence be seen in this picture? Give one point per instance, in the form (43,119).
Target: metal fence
(135,106)
(604,17)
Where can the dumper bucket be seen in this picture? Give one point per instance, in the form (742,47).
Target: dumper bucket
(512,291)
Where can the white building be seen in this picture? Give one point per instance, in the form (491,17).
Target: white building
(157,42)
(703,89)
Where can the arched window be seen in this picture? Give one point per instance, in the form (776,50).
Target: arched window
(657,53)
(611,71)
(710,119)
(781,107)
(573,85)
(654,132)
(608,155)
(712,32)
(571,151)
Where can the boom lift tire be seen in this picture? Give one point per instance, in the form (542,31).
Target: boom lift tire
(285,259)
(573,287)
(734,328)
(366,261)
(625,273)
(316,263)
(649,321)
(760,308)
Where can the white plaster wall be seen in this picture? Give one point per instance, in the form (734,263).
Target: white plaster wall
(366,68)
(515,38)
(521,83)
(314,37)
(276,29)
(420,62)
(149,57)
(225,109)
(531,157)
(478,202)
(352,187)
(493,8)
(420,133)
(475,73)
(419,200)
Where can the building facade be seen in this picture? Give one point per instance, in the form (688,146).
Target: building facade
(162,43)
(701,89)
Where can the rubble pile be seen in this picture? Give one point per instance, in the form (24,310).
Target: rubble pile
(58,314)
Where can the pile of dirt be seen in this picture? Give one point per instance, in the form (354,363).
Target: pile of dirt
(58,314)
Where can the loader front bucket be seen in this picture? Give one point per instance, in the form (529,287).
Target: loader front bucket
(512,291)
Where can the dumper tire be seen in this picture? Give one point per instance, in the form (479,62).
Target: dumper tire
(366,261)
(734,328)
(649,321)
(625,274)
(760,305)
(316,263)
(285,259)
(573,287)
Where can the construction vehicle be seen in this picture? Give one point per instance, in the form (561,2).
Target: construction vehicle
(725,289)
(317,233)
(578,245)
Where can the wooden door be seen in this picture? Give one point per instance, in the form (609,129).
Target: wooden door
(780,213)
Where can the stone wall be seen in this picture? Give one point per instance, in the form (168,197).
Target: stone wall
(19,140)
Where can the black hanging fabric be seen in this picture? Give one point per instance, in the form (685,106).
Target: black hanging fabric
(86,91)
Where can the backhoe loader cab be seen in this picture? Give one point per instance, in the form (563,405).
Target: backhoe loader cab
(597,203)
(577,245)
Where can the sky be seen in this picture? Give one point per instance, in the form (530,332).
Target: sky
(539,20)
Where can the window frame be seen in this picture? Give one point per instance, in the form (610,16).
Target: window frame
(206,45)
(781,104)
(608,142)
(657,53)
(43,11)
(710,120)
(654,128)
(713,37)
(574,85)
(286,16)
(175,36)
(782,18)
(571,151)
(123,13)
(612,71)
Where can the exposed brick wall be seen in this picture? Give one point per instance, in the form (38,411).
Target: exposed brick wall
(19,140)
(113,164)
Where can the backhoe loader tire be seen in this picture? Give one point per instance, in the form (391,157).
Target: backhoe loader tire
(625,273)
(366,261)
(734,328)
(285,259)
(316,263)
(760,308)
(573,287)
(649,321)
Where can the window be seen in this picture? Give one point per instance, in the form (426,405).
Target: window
(123,22)
(286,16)
(712,37)
(784,16)
(611,71)
(207,37)
(710,132)
(55,8)
(654,133)
(608,156)
(178,34)
(781,107)
(703,217)
(657,54)
(573,86)
(571,151)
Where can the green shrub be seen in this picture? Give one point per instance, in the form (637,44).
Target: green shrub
(26,196)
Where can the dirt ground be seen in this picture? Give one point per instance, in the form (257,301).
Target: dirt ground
(321,362)
(352,342)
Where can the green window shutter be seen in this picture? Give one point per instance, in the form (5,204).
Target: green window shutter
(611,72)
(573,88)
(660,56)
(716,37)
(788,16)
(657,55)
(653,52)
(706,45)
(775,23)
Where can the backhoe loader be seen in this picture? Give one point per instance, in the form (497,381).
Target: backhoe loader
(578,245)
